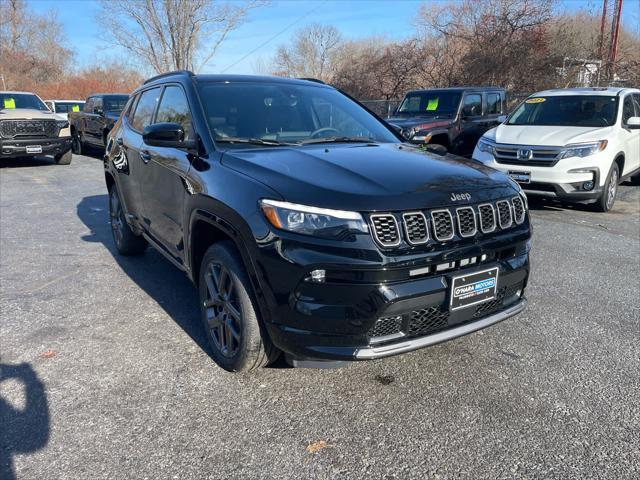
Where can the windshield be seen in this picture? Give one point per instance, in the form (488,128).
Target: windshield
(276,113)
(66,107)
(115,103)
(430,103)
(21,100)
(567,111)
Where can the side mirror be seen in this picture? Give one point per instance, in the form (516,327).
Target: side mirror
(633,123)
(502,118)
(166,135)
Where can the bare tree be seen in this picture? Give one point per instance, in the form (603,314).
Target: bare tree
(173,34)
(312,53)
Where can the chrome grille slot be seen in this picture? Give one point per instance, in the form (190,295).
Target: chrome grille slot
(518,210)
(385,229)
(487,218)
(467,226)
(442,225)
(504,214)
(415,228)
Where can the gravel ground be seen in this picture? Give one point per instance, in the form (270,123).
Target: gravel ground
(104,371)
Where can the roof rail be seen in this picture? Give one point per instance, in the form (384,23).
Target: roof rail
(168,74)
(309,79)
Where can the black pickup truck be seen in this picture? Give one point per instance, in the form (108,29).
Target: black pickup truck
(91,126)
(452,117)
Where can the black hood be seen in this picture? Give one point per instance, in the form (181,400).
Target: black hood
(366,177)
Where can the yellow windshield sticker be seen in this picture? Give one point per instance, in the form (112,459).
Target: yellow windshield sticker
(75,108)
(432,105)
(536,100)
(9,103)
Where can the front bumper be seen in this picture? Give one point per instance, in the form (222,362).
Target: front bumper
(565,180)
(10,148)
(340,318)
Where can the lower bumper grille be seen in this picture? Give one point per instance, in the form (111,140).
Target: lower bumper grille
(432,319)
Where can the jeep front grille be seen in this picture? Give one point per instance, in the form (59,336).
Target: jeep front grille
(415,227)
(442,225)
(445,224)
(466,222)
(28,128)
(518,210)
(385,229)
(487,218)
(504,214)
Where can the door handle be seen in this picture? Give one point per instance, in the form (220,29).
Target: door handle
(145,156)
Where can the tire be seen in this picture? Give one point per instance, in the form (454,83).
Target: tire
(238,340)
(76,144)
(63,158)
(126,241)
(608,197)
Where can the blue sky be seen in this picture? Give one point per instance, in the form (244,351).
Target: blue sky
(354,18)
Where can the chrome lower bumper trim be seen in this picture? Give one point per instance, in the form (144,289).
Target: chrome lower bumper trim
(370,353)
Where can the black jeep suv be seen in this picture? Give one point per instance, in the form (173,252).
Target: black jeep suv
(307,224)
(455,118)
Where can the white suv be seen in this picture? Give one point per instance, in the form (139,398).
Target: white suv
(573,144)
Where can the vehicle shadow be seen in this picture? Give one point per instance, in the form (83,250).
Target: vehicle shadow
(26,162)
(163,282)
(23,429)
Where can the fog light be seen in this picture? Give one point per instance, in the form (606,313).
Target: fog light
(318,276)
(587,185)
(518,293)
(483,257)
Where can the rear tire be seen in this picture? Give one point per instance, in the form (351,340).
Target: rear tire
(608,196)
(238,340)
(63,158)
(127,242)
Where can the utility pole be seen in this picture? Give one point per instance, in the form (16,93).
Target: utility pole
(615,30)
(608,45)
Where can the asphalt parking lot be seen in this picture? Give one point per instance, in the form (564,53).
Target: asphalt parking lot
(104,371)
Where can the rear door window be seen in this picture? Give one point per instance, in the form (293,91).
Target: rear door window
(494,104)
(472,106)
(145,109)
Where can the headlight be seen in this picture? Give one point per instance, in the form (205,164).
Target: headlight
(320,222)
(485,145)
(582,149)
(62,124)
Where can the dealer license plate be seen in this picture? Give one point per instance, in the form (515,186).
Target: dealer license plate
(474,288)
(520,177)
(34,148)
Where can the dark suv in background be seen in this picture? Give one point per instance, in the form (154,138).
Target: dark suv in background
(307,224)
(452,117)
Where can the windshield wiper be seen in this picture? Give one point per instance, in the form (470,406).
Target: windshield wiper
(252,141)
(338,140)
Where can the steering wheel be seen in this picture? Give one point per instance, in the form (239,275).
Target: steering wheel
(316,133)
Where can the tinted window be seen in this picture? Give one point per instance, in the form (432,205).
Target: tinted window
(97,104)
(286,113)
(145,108)
(627,109)
(21,100)
(66,107)
(567,110)
(88,107)
(494,103)
(115,103)
(472,106)
(174,108)
(430,102)
(636,101)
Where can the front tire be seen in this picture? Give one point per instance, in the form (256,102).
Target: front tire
(76,144)
(238,340)
(63,158)
(127,242)
(608,197)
